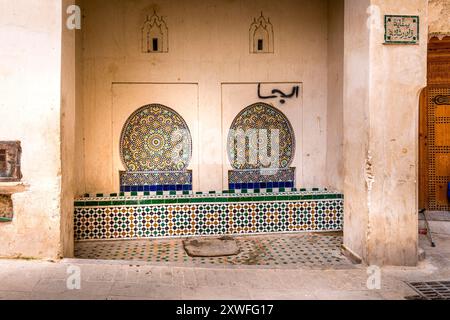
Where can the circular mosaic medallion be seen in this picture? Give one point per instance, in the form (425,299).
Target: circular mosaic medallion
(155,138)
(249,123)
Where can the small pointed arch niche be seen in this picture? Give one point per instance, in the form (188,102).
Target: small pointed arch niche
(261,35)
(155,35)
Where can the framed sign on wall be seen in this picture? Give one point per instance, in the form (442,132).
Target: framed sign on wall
(401,29)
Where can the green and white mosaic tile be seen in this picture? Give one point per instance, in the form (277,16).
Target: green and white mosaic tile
(207,214)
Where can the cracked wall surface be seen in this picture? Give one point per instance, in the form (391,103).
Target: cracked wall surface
(439,17)
(208,59)
(381,98)
(30,98)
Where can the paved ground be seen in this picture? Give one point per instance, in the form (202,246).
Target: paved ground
(120,280)
(311,250)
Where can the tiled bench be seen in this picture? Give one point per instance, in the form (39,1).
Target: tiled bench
(140,215)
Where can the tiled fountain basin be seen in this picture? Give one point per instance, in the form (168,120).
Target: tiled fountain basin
(140,216)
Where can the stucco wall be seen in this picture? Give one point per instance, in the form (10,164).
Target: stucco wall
(79,114)
(335,165)
(398,74)
(208,46)
(30,97)
(381,97)
(439,13)
(70,128)
(356,123)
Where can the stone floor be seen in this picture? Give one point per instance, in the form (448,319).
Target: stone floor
(102,280)
(318,250)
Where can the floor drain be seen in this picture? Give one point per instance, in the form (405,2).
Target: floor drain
(435,290)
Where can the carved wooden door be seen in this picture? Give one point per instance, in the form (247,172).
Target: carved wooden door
(435,129)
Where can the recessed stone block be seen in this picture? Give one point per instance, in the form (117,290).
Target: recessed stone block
(221,247)
(6,208)
(10,154)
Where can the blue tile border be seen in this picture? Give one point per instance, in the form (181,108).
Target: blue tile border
(261,185)
(155,188)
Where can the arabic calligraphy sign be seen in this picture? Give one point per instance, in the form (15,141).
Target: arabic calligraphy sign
(401,29)
(279,94)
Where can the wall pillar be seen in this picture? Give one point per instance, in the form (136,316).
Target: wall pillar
(30,112)
(382,84)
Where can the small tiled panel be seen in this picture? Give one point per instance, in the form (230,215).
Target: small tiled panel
(155,147)
(252,127)
(261,179)
(135,217)
(155,181)
(250,133)
(151,140)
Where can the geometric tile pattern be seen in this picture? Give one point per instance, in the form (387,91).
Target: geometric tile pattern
(155,181)
(99,196)
(180,216)
(155,147)
(251,132)
(202,194)
(261,178)
(152,188)
(262,185)
(293,250)
(155,138)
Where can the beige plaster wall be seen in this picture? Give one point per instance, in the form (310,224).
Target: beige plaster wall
(356,123)
(335,165)
(398,74)
(381,96)
(439,13)
(208,46)
(30,98)
(79,114)
(71,127)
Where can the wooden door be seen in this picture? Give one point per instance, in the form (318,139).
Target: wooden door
(434,164)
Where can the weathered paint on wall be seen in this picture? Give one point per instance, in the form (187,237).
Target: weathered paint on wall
(356,124)
(393,225)
(439,13)
(208,46)
(68,131)
(334,150)
(381,135)
(380,83)
(79,113)
(30,97)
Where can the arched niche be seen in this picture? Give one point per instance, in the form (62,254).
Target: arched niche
(261,148)
(155,149)
(155,35)
(261,35)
